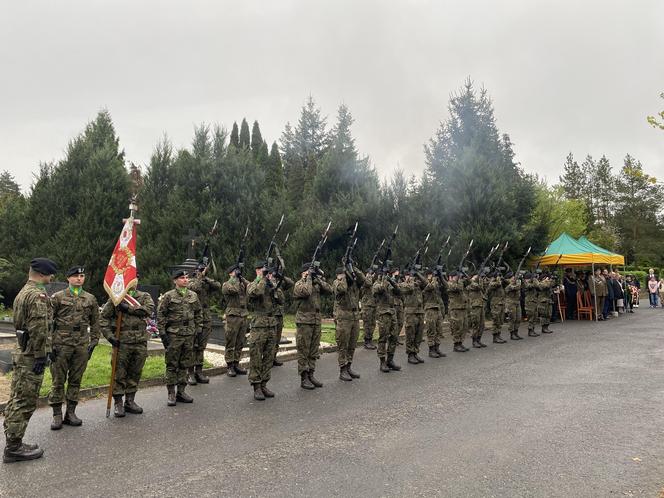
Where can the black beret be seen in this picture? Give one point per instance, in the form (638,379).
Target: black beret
(75,270)
(453,273)
(509,274)
(44,266)
(232,268)
(178,273)
(306,266)
(260,263)
(340,270)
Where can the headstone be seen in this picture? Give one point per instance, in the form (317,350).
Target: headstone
(5,360)
(153,290)
(217,336)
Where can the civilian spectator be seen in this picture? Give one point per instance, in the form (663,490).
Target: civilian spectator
(653,289)
(571,287)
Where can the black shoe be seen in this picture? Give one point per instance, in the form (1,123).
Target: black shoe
(353,375)
(412,360)
(515,336)
(201,378)
(433,353)
(368,344)
(546,330)
(191,378)
(182,396)
(479,341)
(131,406)
(259,395)
(419,360)
(390,363)
(118,408)
(532,333)
(305,383)
(277,363)
(459,348)
(266,392)
(383,366)
(18,452)
(498,340)
(476,343)
(440,353)
(314,380)
(70,417)
(171,395)
(344,375)
(239,370)
(56,425)
(230,370)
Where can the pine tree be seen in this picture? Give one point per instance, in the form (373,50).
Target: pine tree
(8,185)
(235,136)
(245,139)
(573,180)
(256,139)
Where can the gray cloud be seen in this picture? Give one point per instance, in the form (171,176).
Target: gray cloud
(564,76)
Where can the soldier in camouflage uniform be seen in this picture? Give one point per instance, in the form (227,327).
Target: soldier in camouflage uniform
(531,287)
(457,310)
(179,319)
(477,301)
(132,345)
(203,286)
(496,289)
(368,307)
(434,309)
(384,289)
(306,294)
(237,319)
(545,303)
(513,305)
(279,296)
(33,317)
(261,335)
(346,290)
(398,305)
(411,290)
(74,310)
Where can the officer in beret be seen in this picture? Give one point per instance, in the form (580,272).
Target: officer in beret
(33,319)
(234,291)
(279,297)
(346,288)
(74,312)
(179,319)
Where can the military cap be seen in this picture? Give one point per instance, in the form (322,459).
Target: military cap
(306,266)
(340,270)
(44,266)
(527,275)
(509,274)
(260,263)
(75,270)
(178,273)
(428,271)
(453,273)
(232,268)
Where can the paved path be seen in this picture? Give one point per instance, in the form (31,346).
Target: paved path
(576,413)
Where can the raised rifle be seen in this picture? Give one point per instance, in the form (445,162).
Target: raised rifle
(518,269)
(240,256)
(416,263)
(270,248)
(374,260)
(347,260)
(500,256)
(441,263)
(206,258)
(388,252)
(465,255)
(280,266)
(323,238)
(482,269)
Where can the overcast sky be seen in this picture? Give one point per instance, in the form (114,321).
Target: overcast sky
(577,76)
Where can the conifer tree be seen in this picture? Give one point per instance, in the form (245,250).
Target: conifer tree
(235,136)
(245,138)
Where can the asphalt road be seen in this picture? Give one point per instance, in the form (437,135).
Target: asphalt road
(576,413)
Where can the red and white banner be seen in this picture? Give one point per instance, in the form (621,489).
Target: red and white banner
(121,272)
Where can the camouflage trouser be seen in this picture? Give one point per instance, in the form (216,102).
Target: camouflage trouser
(201,340)
(234,333)
(433,318)
(600,305)
(23,398)
(308,343)
(531,313)
(544,311)
(68,367)
(368,321)
(277,334)
(261,349)
(387,334)
(458,324)
(347,332)
(179,358)
(514,312)
(476,322)
(414,332)
(400,318)
(497,316)
(131,358)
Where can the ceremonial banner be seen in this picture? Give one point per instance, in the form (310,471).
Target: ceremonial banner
(121,271)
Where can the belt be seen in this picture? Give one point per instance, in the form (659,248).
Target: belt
(75,328)
(262,313)
(180,322)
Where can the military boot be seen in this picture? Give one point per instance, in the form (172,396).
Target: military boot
(201,378)
(258,392)
(70,415)
(476,343)
(368,344)
(118,409)
(390,363)
(16,451)
(514,335)
(171,395)
(479,341)
(131,406)
(432,352)
(383,365)
(56,425)
(182,396)
(546,330)
(305,383)
(532,333)
(419,360)
(344,375)
(191,378)
(459,348)
(497,339)
(412,360)
(314,380)
(230,369)
(239,370)
(440,353)
(353,375)
(266,392)
(277,363)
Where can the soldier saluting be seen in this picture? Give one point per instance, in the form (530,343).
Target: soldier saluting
(32,321)
(74,311)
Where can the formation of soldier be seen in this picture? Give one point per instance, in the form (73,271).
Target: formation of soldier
(65,329)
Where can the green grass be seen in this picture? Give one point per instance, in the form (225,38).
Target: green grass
(98,372)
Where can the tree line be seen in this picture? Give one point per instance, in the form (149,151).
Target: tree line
(472,188)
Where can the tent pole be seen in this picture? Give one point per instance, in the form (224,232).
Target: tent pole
(595,292)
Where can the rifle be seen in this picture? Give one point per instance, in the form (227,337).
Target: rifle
(240,256)
(347,260)
(316,264)
(206,257)
(440,264)
(416,263)
(463,258)
(482,268)
(280,266)
(500,257)
(539,261)
(516,273)
(388,251)
(374,260)
(268,255)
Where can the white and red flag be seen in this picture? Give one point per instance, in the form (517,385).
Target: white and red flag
(121,273)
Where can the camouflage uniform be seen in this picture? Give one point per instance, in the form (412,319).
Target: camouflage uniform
(531,287)
(399,313)
(513,306)
(237,318)
(203,286)
(384,294)
(32,314)
(477,301)
(279,297)
(457,310)
(73,312)
(347,315)
(368,307)
(497,297)
(133,350)
(544,303)
(307,293)
(179,316)
(411,289)
(434,309)
(261,335)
